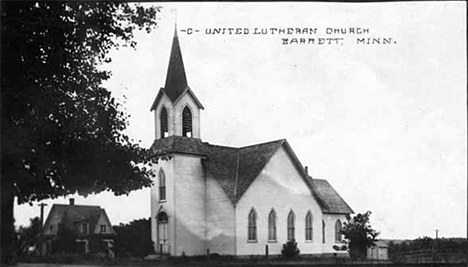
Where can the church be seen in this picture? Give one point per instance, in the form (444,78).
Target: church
(238,201)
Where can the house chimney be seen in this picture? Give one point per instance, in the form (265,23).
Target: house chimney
(72,201)
(306,169)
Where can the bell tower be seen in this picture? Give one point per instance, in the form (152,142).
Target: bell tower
(176,108)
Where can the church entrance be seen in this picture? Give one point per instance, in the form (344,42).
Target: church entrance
(163,233)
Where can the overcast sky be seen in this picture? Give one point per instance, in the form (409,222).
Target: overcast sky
(384,124)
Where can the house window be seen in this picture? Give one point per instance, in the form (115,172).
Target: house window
(103,229)
(338,236)
(162,186)
(186,122)
(323,231)
(252,231)
(163,122)
(308,226)
(84,228)
(51,228)
(291,225)
(272,225)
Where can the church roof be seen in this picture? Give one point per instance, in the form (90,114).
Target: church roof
(236,168)
(333,201)
(176,80)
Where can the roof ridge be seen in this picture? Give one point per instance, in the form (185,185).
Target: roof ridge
(265,143)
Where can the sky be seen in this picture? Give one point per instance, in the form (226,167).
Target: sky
(385,124)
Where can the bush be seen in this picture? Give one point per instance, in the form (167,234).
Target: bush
(290,249)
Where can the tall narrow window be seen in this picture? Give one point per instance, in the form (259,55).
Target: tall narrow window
(323,231)
(162,185)
(338,236)
(252,231)
(186,122)
(308,226)
(291,225)
(272,225)
(163,122)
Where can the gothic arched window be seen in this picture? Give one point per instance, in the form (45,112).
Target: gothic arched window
(308,226)
(162,185)
(163,123)
(291,225)
(187,122)
(272,225)
(323,231)
(252,231)
(338,231)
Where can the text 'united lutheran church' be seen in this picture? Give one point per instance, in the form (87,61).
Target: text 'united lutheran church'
(228,200)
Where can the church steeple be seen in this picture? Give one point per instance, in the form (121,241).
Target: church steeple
(176,108)
(176,80)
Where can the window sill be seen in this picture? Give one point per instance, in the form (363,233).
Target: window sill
(272,241)
(252,241)
(309,241)
(162,201)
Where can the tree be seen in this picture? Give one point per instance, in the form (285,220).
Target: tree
(359,234)
(28,236)
(61,129)
(134,239)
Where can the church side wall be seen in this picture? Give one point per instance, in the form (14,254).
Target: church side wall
(279,186)
(166,205)
(189,205)
(220,223)
(330,241)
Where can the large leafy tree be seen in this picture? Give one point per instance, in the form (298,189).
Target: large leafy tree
(359,234)
(61,130)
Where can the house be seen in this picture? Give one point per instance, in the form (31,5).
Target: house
(379,251)
(90,224)
(210,198)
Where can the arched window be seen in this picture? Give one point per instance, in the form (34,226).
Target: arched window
(186,122)
(162,218)
(163,122)
(252,231)
(162,185)
(308,226)
(338,236)
(272,225)
(323,231)
(291,225)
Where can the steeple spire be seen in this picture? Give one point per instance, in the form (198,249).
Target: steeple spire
(176,81)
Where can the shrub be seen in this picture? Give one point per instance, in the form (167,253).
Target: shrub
(290,249)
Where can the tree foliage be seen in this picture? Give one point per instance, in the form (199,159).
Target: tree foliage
(359,234)
(134,239)
(66,241)
(62,131)
(28,236)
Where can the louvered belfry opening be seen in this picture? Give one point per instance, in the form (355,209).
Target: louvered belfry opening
(186,122)
(163,120)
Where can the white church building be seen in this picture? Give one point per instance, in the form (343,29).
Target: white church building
(231,200)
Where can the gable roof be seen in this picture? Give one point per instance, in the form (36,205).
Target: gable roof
(236,168)
(334,203)
(72,214)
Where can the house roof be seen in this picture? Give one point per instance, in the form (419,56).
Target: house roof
(71,214)
(333,201)
(380,244)
(236,168)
